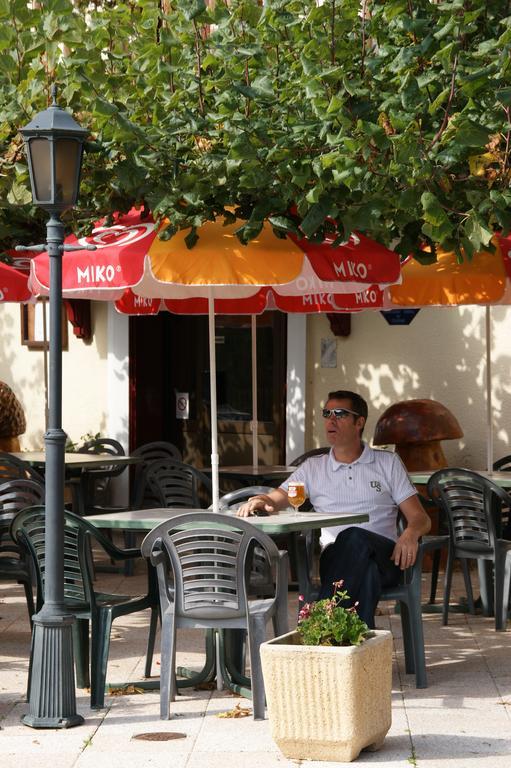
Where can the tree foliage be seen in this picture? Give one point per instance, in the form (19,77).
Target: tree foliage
(390,117)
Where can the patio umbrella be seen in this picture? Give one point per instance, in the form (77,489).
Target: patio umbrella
(218,268)
(481,280)
(13,284)
(289,298)
(14,288)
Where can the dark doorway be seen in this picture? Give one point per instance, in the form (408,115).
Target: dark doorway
(169,379)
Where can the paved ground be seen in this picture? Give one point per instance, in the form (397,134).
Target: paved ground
(462,718)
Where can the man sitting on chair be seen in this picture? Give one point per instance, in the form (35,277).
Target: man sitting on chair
(356,479)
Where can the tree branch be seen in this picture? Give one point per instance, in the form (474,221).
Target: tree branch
(442,128)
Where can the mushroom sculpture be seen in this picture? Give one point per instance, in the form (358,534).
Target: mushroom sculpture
(416,428)
(12,419)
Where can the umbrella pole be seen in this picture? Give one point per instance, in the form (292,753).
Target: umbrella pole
(214,422)
(489,408)
(254,391)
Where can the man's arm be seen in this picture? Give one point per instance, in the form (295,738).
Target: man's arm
(418,524)
(269,502)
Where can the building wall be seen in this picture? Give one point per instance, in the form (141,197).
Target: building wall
(84,379)
(441,355)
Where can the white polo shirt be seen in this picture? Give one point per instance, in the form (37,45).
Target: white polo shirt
(375,484)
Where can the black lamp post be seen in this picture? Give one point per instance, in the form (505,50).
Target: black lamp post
(54,145)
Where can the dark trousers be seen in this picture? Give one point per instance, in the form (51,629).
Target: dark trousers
(362,560)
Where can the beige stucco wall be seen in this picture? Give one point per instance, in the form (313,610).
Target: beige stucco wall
(84,377)
(441,355)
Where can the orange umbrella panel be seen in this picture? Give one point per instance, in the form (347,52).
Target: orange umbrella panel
(482,280)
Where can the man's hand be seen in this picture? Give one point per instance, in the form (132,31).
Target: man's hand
(251,506)
(405,551)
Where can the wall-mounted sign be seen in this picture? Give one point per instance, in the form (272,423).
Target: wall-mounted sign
(182,405)
(399,316)
(329,353)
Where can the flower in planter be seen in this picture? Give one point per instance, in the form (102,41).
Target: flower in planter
(327,622)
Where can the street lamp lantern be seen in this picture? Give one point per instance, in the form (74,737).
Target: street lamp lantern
(54,144)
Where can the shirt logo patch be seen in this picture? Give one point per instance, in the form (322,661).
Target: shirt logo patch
(376,484)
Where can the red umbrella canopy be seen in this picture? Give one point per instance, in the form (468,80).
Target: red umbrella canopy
(130,255)
(13,284)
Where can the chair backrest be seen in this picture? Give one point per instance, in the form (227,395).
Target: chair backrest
(104,445)
(11,468)
(233,498)
(209,557)
(96,481)
(176,484)
(142,496)
(503,464)
(477,509)
(307,455)
(16,495)
(27,529)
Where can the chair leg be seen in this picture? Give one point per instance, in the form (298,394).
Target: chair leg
(447,586)
(468,585)
(99,657)
(130,540)
(153,626)
(408,646)
(435,568)
(417,634)
(256,636)
(81,651)
(502,582)
(167,665)
(484,568)
(29,596)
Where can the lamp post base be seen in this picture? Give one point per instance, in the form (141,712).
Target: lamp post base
(52,686)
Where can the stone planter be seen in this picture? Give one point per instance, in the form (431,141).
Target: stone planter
(327,703)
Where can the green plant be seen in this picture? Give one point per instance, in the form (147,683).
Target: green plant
(392,117)
(328,622)
(73,447)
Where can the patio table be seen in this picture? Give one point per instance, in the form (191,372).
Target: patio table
(77,460)
(283,522)
(247,474)
(502,479)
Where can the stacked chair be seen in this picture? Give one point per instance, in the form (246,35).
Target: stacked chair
(15,495)
(478,514)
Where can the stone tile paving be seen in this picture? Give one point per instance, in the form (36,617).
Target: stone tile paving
(462,718)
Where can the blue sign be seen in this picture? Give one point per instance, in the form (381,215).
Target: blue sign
(399,316)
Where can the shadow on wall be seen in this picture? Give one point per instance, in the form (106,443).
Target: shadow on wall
(442,356)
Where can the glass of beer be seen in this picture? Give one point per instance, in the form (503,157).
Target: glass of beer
(296,494)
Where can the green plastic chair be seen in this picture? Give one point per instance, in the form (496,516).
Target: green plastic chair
(202,560)
(160,450)
(90,607)
(478,512)
(178,485)
(407,594)
(15,495)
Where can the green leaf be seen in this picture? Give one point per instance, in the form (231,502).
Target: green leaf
(191,238)
(504,96)
(314,218)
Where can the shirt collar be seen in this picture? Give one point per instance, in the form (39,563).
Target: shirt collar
(366,457)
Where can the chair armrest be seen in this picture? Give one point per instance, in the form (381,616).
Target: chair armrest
(116,553)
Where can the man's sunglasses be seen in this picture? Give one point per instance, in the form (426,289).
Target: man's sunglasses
(339,413)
